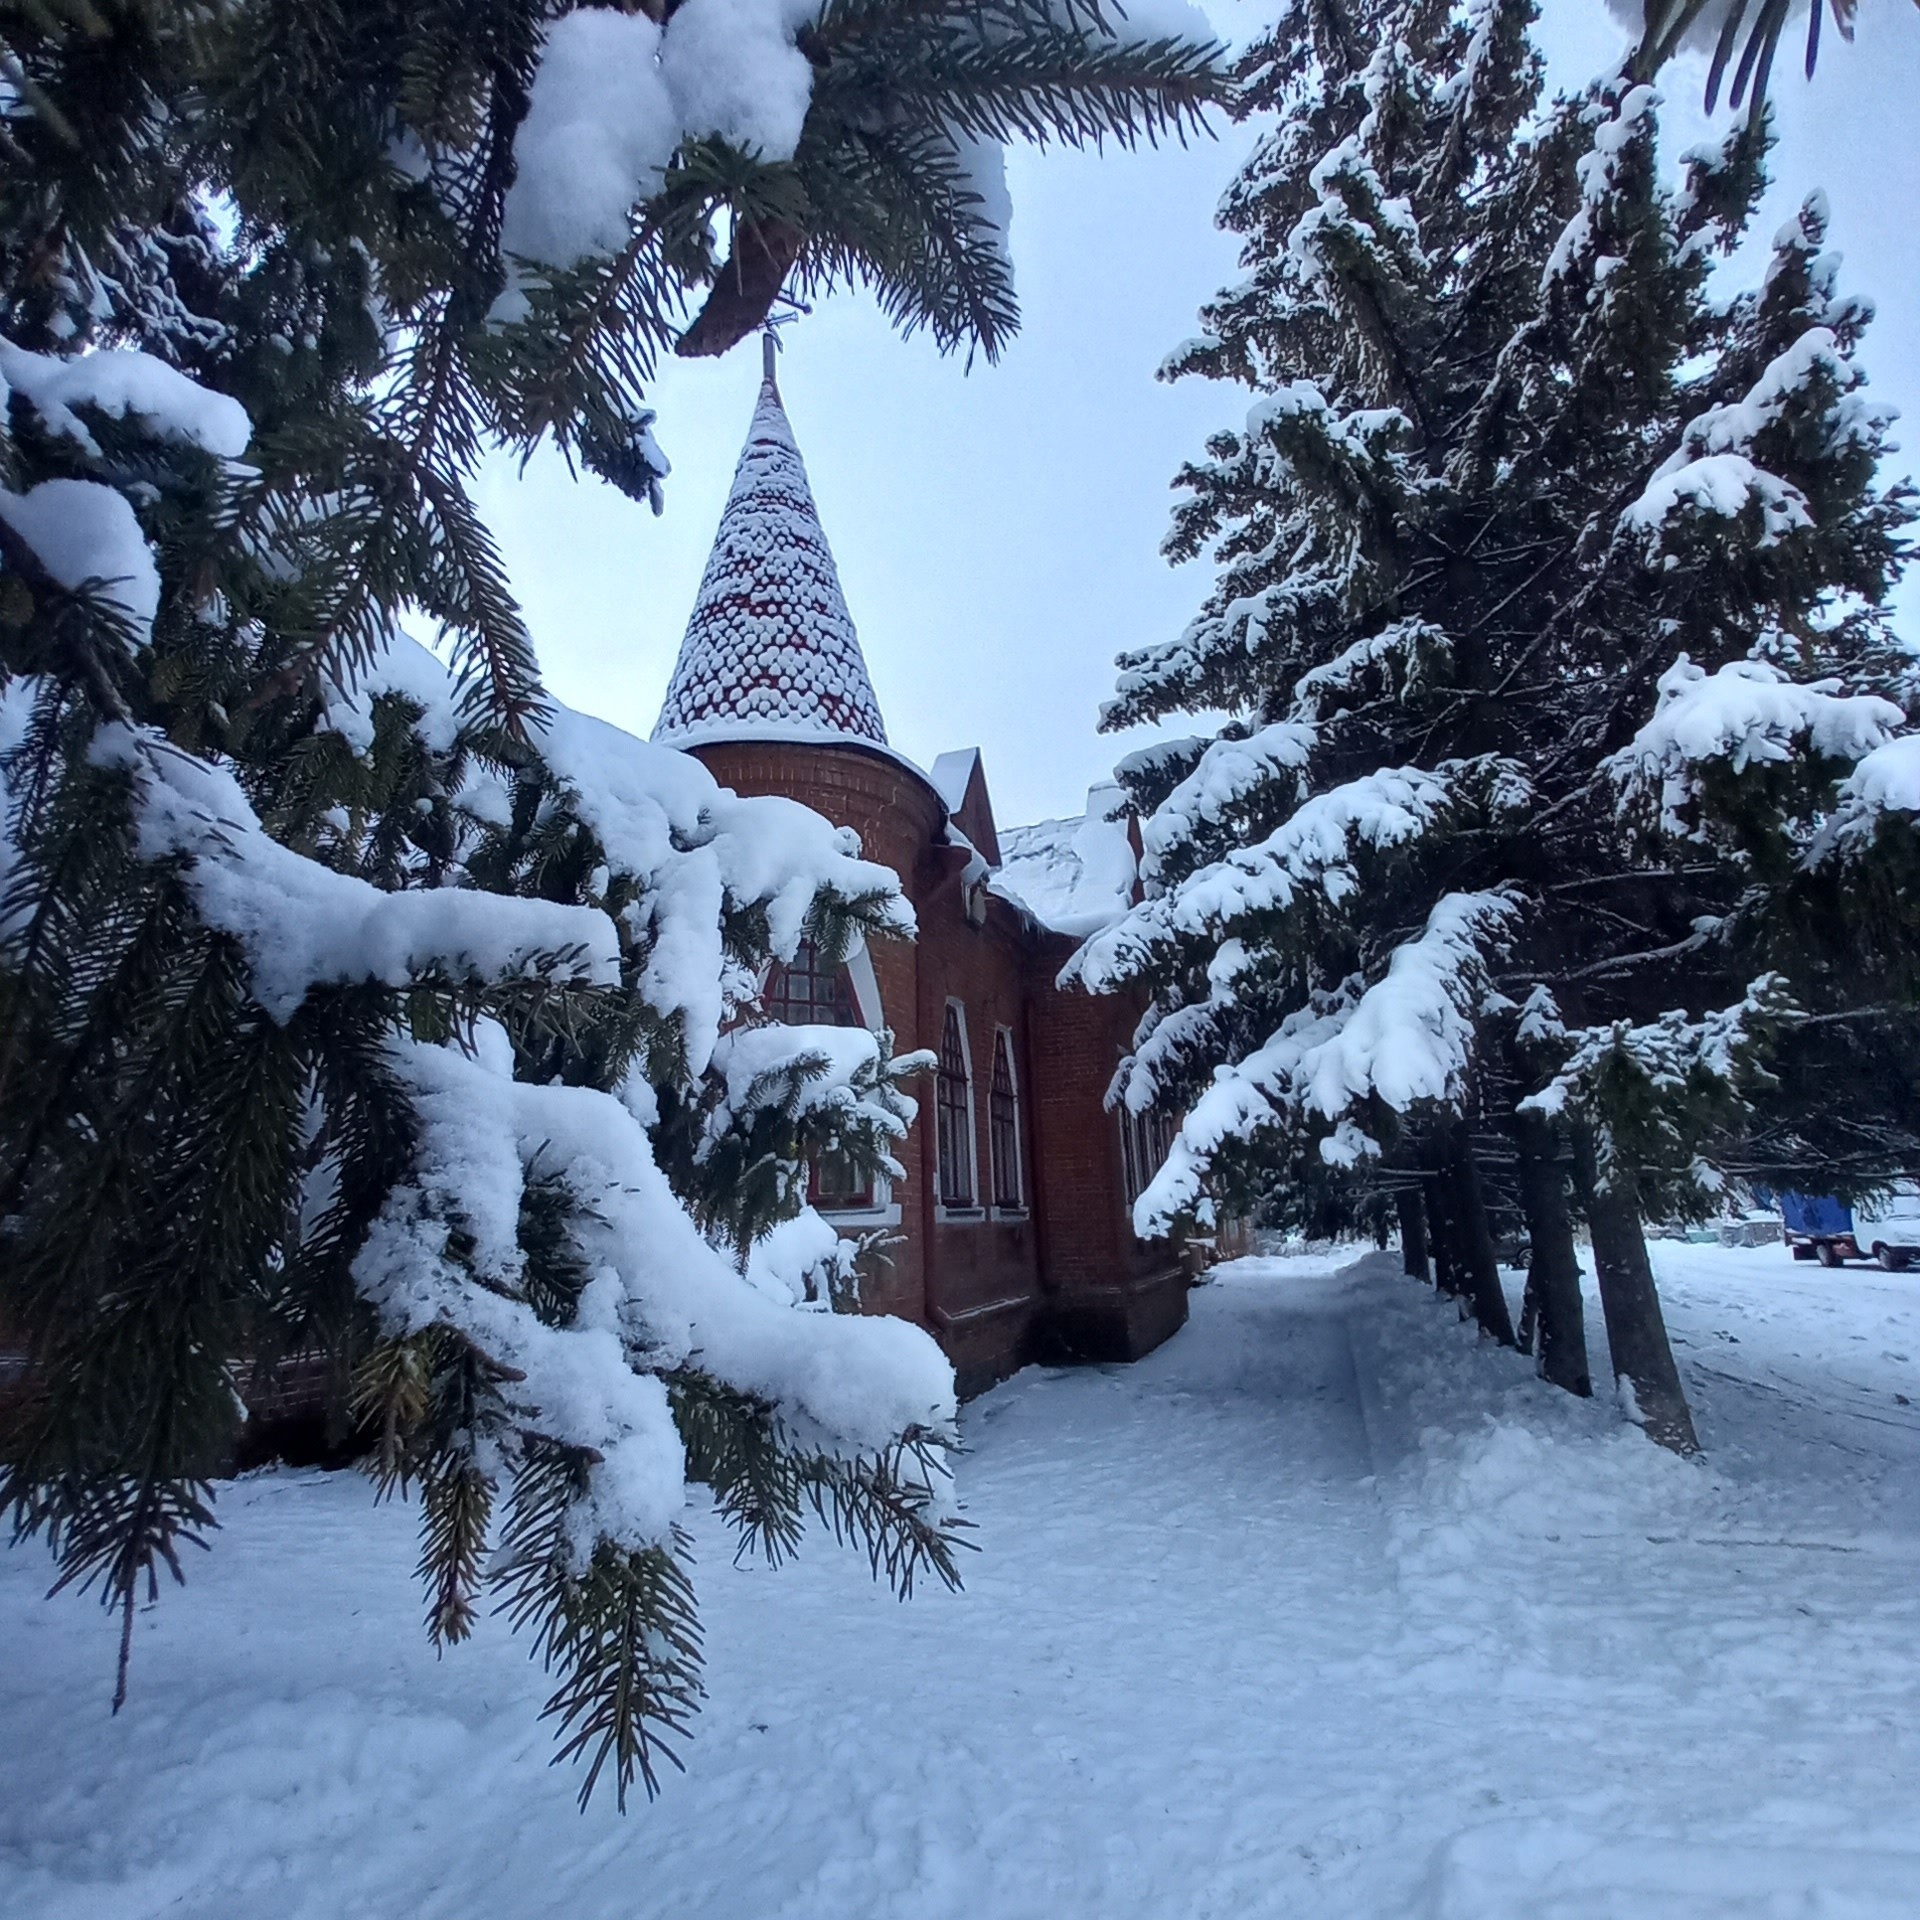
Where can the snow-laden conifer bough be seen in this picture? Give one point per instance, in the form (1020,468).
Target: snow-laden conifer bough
(359,1004)
(1554,859)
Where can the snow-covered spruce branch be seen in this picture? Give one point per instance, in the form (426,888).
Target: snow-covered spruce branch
(1405,1040)
(1234,779)
(1661,1095)
(1750,714)
(1316,852)
(353,1045)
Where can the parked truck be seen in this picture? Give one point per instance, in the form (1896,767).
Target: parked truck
(1828,1230)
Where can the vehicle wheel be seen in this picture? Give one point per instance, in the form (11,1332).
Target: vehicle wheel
(1894,1259)
(1827,1254)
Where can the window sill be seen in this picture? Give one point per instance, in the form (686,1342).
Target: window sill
(888,1216)
(959,1216)
(1012,1215)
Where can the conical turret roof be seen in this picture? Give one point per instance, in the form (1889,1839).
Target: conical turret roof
(770,650)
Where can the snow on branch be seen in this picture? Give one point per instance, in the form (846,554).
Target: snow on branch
(1720,486)
(1886,781)
(1410,645)
(1217,658)
(1659,1093)
(1794,377)
(1229,773)
(1314,848)
(1746,713)
(842,1074)
(446,1252)
(696,849)
(1600,171)
(85,535)
(1297,419)
(1408,1038)
(122,384)
(616,95)
(302,925)
(804,1262)
(1715,470)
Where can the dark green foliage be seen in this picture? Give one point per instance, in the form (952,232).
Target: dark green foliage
(623,1631)
(298,205)
(1507,460)
(764,1482)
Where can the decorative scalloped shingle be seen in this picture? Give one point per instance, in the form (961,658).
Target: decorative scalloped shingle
(770,645)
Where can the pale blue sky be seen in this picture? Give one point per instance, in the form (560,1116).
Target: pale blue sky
(997,531)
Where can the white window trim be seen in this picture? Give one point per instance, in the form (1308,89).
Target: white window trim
(977,1210)
(1003,1038)
(866,988)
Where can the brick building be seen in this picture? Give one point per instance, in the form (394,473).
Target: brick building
(1013,1224)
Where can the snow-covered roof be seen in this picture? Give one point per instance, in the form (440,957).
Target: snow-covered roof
(950,775)
(1074,876)
(770,650)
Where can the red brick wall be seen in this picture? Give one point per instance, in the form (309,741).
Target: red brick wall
(1068,1278)
(1114,1296)
(896,814)
(984,1293)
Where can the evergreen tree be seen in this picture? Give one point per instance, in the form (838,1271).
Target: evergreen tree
(355,1004)
(1508,458)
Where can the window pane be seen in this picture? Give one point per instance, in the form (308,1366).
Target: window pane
(837,1185)
(955,1147)
(803,993)
(1004,1128)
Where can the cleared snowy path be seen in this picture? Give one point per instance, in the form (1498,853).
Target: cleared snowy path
(1321,1610)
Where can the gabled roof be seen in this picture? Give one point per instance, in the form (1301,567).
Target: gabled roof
(770,651)
(951,773)
(1074,876)
(960,779)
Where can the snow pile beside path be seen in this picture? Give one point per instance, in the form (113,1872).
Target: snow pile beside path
(1489,1460)
(1181,1558)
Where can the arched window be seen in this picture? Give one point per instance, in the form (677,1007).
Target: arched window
(953,1114)
(1003,1124)
(803,992)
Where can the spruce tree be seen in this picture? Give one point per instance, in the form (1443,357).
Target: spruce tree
(1508,457)
(365,1006)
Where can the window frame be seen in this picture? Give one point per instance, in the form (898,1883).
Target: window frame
(857,990)
(954,1119)
(1145,1141)
(840,994)
(1010,1193)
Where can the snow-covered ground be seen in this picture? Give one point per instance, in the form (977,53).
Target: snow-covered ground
(1323,1610)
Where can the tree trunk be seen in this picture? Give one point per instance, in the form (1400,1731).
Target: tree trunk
(1481,1276)
(1413,1233)
(1444,1245)
(1553,1272)
(1636,1328)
